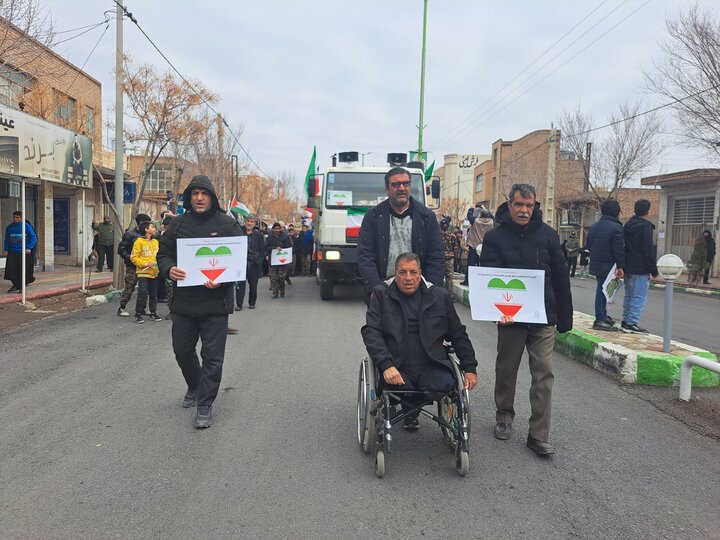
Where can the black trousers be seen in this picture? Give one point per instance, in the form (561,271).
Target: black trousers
(572,265)
(146,287)
(251,278)
(104,251)
(205,378)
(427,377)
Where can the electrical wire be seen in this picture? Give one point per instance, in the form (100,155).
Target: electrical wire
(88,57)
(185,80)
(90,29)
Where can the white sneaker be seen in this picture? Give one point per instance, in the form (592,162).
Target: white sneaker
(122,312)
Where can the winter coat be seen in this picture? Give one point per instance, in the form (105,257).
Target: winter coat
(256,248)
(640,252)
(198,301)
(709,248)
(13,237)
(144,257)
(477,231)
(374,244)
(125,246)
(606,243)
(106,232)
(385,329)
(274,242)
(305,245)
(534,247)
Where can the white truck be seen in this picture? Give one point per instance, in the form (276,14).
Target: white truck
(347,191)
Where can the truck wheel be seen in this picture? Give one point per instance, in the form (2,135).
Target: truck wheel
(326,285)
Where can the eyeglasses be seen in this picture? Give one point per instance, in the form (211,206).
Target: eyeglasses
(397,185)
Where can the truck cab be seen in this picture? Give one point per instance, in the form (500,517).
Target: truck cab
(347,191)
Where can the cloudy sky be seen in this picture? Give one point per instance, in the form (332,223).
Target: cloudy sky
(346,75)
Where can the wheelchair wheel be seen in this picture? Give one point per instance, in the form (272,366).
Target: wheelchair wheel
(379,463)
(462,462)
(366,430)
(449,410)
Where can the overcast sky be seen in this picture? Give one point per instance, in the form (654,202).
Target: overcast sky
(345,75)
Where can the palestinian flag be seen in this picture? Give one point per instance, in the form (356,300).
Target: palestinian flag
(236,207)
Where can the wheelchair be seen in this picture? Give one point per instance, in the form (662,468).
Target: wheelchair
(376,415)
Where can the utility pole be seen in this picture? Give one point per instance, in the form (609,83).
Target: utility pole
(422,86)
(221,158)
(549,202)
(119,146)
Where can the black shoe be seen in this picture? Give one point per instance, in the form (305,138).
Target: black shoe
(275,295)
(464,283)
(139,318)
(238,308)
(203,418)
(154,317)
(168,317)
(252,306)
(162,300)
(190,399)
(632,328)
(411,423)
(539,447)
(232,331)
(610,320)
(502,431)
(13,290)
(604,325)
(288,281)
(282,294)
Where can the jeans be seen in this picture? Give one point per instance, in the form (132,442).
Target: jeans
(636,293)
(600,300)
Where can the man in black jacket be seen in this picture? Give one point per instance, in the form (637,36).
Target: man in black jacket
(256,253)
(606,243)
(277,240)
(397,225)
(640,256)
(125,248)
(522,240)
(200,311)
(406,324)
(709,254)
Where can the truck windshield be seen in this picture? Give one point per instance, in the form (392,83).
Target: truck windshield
(363,189)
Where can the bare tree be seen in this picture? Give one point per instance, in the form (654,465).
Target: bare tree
(24,24)
(689,75)
(630,144)
(454,208)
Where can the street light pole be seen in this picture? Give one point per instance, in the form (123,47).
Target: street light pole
(422,85)
(119,147)
(362,163)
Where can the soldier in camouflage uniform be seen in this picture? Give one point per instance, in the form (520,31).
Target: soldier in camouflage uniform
(124,250)
(450,246)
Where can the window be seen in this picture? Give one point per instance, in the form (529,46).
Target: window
(495,158)
(160,178)
(89,122)
(698,210)
(478,183)
(65,107)
(13,84)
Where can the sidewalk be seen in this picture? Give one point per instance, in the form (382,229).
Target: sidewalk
(61,280)
(630,358)
(682,285)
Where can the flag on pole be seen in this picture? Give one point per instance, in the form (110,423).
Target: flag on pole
(428,172)
(310,176)
(236,207)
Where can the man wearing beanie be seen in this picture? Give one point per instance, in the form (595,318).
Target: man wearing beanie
(606,242)
(201,311)
(125,251)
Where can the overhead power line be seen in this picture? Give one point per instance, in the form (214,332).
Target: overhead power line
(192,87)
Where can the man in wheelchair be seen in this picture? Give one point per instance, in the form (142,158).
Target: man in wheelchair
(407,322)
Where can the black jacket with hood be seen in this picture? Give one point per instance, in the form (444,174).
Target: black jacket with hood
(534,247)
(125,246)
(198,301)
(385,331)
(640,252)
(374,244)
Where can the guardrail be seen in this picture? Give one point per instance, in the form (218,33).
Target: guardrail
(686,373)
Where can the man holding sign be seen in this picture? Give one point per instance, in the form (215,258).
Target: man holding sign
(523,241)
(199,311)
(279,251)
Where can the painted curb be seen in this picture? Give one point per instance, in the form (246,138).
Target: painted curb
(95,300)
(13,298)
(624,364)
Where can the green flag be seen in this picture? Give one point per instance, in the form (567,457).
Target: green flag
(429,171)
(311,172)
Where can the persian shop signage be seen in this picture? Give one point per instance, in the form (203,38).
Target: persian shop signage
(34,148)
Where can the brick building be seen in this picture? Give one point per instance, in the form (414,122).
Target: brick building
(36,83)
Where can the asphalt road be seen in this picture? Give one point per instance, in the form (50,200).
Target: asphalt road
(696,318)
(95,444)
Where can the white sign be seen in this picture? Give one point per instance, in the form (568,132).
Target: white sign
(339,198)
(34,148)
(495,292)
(216,259)
(612,285)
(280,256)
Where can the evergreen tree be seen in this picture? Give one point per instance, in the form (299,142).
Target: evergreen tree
(697,262)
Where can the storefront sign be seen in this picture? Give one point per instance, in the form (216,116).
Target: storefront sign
(34,148)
